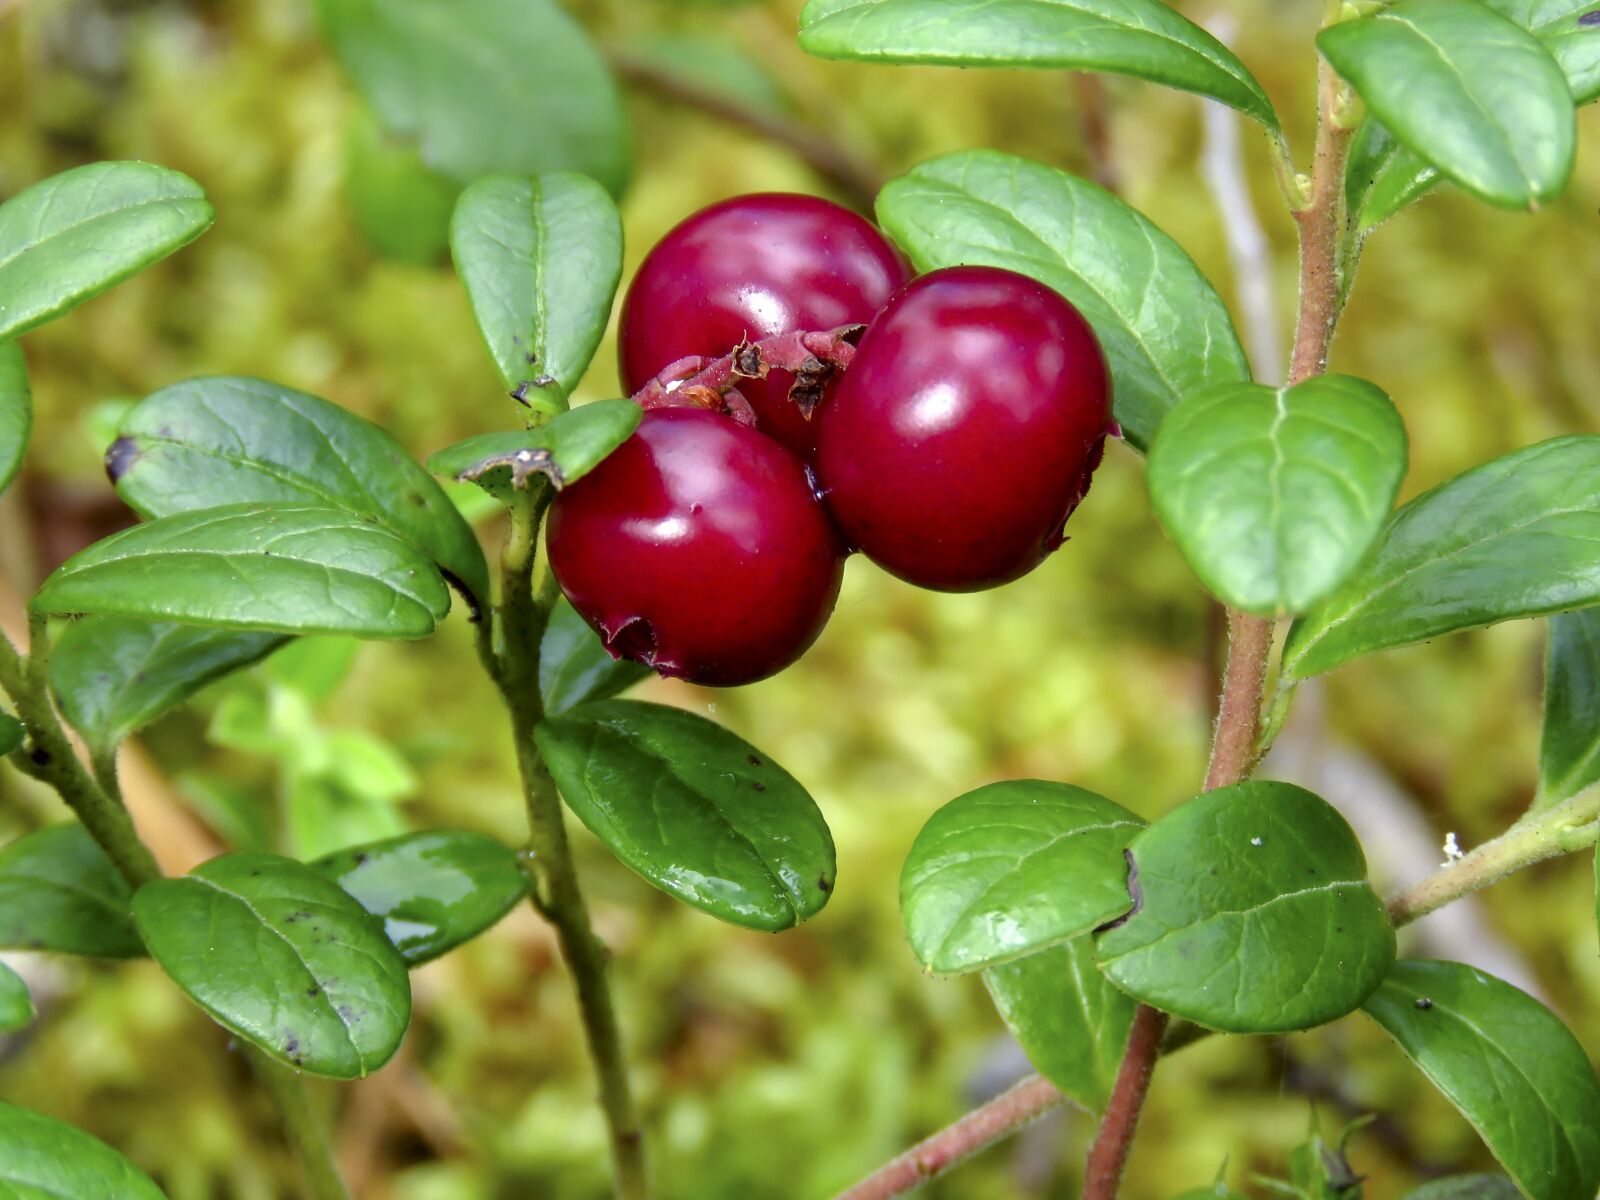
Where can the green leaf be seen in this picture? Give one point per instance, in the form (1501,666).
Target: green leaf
(1274,495)
(562,450)
(1468,90)
(401,206)
(45,1159)
(485,86)
(1165,330)
(111,675)
(58,891)
(206,443)
(1381,176)
(540,259)
(1072,1023)
(1253,913)
(273,567)
(1467,1187)
(433,890)
(1569,752)
(11,734)
(16,1006)
(1508,1064)
(1515,537)
(694,809)
(1013,868)
(574,665)
(1574,46)
(278,953)
(1143,38)
(705,63)
(76,234)
(16,411)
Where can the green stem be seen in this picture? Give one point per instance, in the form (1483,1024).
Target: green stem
(303,1128)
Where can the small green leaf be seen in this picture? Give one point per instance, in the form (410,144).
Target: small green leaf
(58,891)
(1467,1187)
(562,450)
(1071,1022)
(78,233)
(574,665)
(1274,495)
(1558,25)
(210,442)
(16,1006)
(1381,176)
(1142,38)
(111,675)
(273,567)
(540,259)
(401,206)
(485,86)
(278,953)
(433,890)
(45,1159)
(1515,537)
(1467,90)
(11,734)
(1508,1064)
(1165,331)
(16,411)
(694,809)
(1569,752)
(1253,913)
(1013,868)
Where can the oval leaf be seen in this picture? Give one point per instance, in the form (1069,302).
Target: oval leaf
(206,443)
(401,206)
(1572,41)
(45,1159)
(1013,868)
(562,450)
(433,890)
(1515,537)
(283,568)
(1143,38)
(1274,495)
(1468,90)
(11,734)
(59,891)
(1569,751)
(1467,1187)
(16,1006)
(1165,331)
(485,86)
(76,234)
(1071,1022)
(1381,176)
(540,259)
(1508,1064)
(278,953)
(575,666)
(1253,913)
(16,411)
(112,676)
(694,809)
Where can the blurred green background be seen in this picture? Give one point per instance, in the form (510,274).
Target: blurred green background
(778,1067)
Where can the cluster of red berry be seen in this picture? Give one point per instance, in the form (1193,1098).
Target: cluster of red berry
(949,446)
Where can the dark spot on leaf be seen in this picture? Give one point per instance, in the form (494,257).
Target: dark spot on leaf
(40,756)
(124,452)
(759,786)
(824,884)
(753,760)
(1590,19)
(1424,1003)
(291,1047)
(313,990)
(361,858)
(1135,893)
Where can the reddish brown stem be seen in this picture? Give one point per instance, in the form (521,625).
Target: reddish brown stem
(1109,1155)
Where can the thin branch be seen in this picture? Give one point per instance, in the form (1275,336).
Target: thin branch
(1089,90)
(1108,1157)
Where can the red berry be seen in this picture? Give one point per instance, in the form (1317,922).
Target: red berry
(698,548)
(746,269)
(966,429)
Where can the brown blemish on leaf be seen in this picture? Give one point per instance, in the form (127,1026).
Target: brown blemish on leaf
(121,455)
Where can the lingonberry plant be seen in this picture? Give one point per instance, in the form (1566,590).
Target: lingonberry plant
(796,394)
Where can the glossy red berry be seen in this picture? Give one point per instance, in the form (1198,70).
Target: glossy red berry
(749,268)
(966,429)
(698,548)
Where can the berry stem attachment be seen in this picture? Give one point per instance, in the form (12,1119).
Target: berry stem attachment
(812,358)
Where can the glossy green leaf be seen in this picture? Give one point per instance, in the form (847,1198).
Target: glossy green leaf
(485,86)
(1164,329)
(1012,868)
(1515,537)
(540,259)
(401,206)
(1508,1064)
(1253,913)
(112,675)
(1142,38)
(433,890)
(278,953)
(561,451)
(272,567)
(694,809)
(210,442)
(1381,176)
(16,411)
(1558,25)
(45,1159)
(58,891)
(1467,1187)
(76,234)
(1071,1022)
(16,1006)
(1274,495)
(574,665)
(1467,90)
(1569,751)
(11,734)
